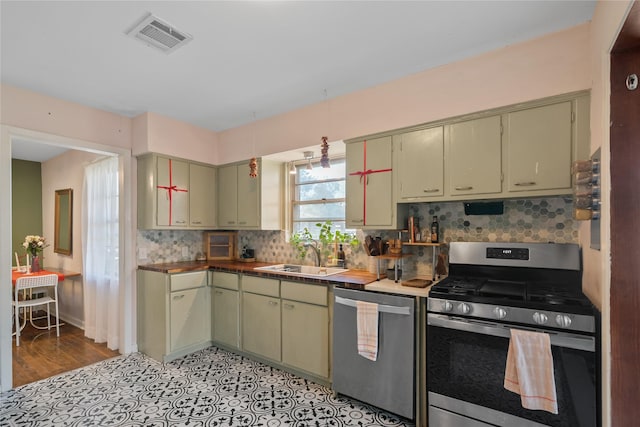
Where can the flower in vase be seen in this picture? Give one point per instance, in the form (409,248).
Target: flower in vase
(34,244)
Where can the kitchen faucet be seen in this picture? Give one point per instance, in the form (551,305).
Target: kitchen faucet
(314,245)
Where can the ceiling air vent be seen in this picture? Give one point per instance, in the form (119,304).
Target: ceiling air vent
(159,34)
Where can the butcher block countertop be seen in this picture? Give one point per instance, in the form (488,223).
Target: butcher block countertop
(353,279)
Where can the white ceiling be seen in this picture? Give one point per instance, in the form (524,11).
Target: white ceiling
(252,59)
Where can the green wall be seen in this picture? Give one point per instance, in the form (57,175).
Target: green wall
(26,202)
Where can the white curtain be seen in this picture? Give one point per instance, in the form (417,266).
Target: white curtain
(100,252)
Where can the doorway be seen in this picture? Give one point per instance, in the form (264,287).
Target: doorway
(127,239)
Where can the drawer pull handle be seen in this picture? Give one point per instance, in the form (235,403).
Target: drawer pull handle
(218,292)
(525,184)
(177,297)
(431,190)
(464,188)
(289,306)
(197,222)
(273,303)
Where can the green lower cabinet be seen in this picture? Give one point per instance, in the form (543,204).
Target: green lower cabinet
(261,333)
(305,337)
(173,313)
(226,321)
(189,318)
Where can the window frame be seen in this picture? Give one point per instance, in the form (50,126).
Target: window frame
(293,202)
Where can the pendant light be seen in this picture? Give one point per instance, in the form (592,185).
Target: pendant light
(308,155)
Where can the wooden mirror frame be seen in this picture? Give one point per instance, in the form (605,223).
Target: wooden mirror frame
(63,236)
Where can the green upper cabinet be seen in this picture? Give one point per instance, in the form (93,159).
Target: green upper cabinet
(419,170)
(228,196)
(539,148)
(369,197)
(175,193)
(172,192)
(202,202)
(252,203)
(473,161)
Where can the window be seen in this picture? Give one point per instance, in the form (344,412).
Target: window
(318,195)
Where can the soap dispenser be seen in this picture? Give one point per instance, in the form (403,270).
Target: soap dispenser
(341,260)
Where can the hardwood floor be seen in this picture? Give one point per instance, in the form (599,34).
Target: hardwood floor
(41,354)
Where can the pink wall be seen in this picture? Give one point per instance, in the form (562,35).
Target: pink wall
(66,171)
(551,65)
(159,134)
(29,110)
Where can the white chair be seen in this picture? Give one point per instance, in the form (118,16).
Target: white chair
(36,285)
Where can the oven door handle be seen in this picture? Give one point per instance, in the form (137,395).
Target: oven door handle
(559,339)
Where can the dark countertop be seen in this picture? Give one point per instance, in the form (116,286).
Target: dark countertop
(354,279)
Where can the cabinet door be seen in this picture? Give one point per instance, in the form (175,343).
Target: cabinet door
(420,167)
(249,197)
(227,196)
(261,325)
(539,148)
(354,194)
(369,197)
(173,192)
(226,323)
(305,337)
(475,157)
(202,197)
(190,317)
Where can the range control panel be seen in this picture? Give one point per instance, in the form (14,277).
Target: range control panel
(508,253)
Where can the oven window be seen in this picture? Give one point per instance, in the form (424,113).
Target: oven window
(470,367)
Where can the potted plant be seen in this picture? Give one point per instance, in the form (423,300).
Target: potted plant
(324,245)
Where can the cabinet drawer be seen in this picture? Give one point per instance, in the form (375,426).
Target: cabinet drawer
(180,282)
(313,294)
(225,280)
(261,286)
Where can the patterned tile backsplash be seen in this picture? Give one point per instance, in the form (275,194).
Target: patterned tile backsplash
(524,220)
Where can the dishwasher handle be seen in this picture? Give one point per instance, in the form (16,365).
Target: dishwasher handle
(393,309)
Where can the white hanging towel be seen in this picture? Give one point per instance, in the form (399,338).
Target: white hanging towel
(367,324)
(529,370)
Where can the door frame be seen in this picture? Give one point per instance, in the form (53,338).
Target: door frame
(624,292)
(127,239)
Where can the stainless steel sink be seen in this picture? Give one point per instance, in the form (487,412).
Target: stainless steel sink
(302,270)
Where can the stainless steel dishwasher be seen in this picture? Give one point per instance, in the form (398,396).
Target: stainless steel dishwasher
(389,382)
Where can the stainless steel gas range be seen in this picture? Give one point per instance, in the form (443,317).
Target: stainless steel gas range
(491,289)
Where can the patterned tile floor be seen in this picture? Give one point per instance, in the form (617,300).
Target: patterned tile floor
(209,388)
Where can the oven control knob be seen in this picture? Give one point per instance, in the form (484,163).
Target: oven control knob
(447,306)
(563,320)
(464,308)
(540,318)
(500,312)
